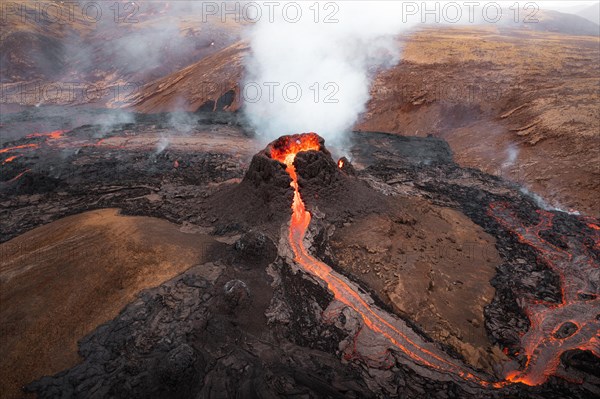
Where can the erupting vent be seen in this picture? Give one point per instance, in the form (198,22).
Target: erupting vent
(285,148)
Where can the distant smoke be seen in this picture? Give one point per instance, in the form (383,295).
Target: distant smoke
(183,122)
(179,124)
(331,63)
(108,121)
(542,203)
(162,145)
(512,153)
(104,55)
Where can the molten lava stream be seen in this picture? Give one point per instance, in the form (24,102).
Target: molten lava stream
(18,147)
(56,134)
(17,177)
(406,341)
(10,159)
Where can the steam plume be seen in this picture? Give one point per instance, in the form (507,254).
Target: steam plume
(340,57)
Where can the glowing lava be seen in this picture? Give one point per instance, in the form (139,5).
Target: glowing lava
(18,147)
(56,134)
(394,330)
(10,159)
(580,300)
(17,177)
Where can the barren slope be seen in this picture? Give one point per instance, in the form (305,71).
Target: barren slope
(209,84)
(523,105)
(62,280)
(79,61)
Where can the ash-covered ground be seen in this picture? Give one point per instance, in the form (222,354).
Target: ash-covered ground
(247,322)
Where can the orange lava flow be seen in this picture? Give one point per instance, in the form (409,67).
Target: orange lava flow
(593,226)
(580,299)
(56,134)
(10,159)
(399,335)
(18,147)
(17,177)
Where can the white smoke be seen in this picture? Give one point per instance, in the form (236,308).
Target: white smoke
(544,204)
(512,153)
(161,144)
(182,123)
(108,121)
(179,124)
(320,72)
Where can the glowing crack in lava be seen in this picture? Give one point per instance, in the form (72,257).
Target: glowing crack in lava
(56,134)
(18,147)
(574,323)
(10,159)
(394,330)
(17,177)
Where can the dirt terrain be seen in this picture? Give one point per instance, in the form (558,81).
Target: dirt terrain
(210,84)
(521,105)
(79,272)
(424,268)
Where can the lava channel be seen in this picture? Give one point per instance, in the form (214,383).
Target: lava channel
(394,330)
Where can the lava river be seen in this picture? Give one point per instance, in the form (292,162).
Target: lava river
(401,337)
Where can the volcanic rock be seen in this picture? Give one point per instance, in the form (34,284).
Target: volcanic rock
(346,166)
(265,193)
(256,246)
(267,196)
(582,360)
(236,293)
(566,330)
(179,344)
(66,295)
(178,365)
(329,191)
(318,168)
